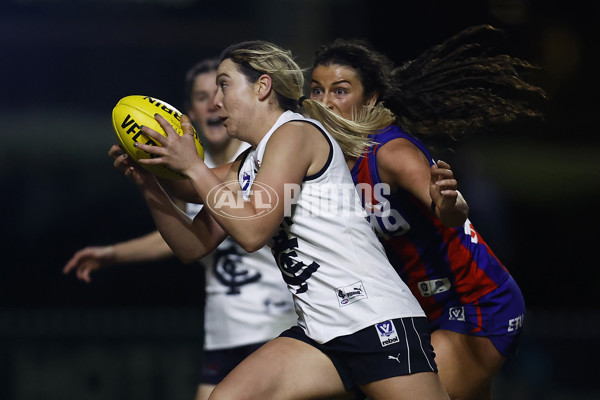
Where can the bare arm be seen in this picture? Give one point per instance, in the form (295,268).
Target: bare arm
(245,221)
(402,165)
(184,190)
(188,239)
(150,247)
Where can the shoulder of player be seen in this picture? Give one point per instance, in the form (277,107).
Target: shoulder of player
(399,158)
(297,141)
(295,133)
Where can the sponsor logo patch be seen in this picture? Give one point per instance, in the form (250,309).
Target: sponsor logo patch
(387,333)
(457,314)
(434,286)
(515,324)
(350,294)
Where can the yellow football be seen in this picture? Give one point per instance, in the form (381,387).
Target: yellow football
(133,112)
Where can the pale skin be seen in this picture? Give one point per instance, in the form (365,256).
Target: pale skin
(466,364)
(284,368)
(152,247)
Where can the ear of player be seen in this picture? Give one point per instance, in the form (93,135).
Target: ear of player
(133,112)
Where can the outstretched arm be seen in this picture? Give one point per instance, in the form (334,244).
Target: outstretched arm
(150,247)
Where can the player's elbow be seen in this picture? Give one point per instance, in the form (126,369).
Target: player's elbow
(252,244)
(252,247)
(190,256)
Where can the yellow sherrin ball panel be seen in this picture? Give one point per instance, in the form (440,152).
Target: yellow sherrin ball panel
(133,112)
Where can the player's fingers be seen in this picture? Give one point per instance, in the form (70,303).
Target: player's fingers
(75,260)
(151,133)
(115,151)
(447,183)
(157,160)
(156,150)
(186,125)
(122,161)
(69,266)
(85,276)
(129,172)
(166,126)
(449,193)
(443,164)
(434,173)
(79,273)
(443,173)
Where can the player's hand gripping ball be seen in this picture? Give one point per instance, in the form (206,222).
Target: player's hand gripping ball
(133,112)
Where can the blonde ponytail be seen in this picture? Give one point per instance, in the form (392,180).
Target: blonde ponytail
(351,135)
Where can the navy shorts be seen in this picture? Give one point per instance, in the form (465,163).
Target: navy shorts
(384,350)
(218,363)
(498,315)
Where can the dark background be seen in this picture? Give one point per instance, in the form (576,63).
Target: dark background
(532,186)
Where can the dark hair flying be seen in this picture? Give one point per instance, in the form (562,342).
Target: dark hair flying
(451,90)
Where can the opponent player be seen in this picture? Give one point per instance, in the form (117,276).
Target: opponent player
(358,324)
(475,307)
(247,304)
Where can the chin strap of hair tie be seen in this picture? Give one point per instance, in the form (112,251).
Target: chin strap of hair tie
(301,100)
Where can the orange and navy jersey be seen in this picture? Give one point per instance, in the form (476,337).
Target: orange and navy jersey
(444,267)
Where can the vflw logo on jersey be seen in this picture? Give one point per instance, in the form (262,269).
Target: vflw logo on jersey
(456,313)
(387,333)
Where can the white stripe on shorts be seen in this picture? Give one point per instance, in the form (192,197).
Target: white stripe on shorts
(407,346)
(421,344)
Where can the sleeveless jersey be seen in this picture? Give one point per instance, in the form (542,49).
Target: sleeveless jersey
(331,260)
(442,266)
(246,301)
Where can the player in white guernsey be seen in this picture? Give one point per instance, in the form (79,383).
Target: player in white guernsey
(247,304)
(358,324)
(348,267)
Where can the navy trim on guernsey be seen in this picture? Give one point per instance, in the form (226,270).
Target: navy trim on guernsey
(329,158)
(306,178)
(243,157)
